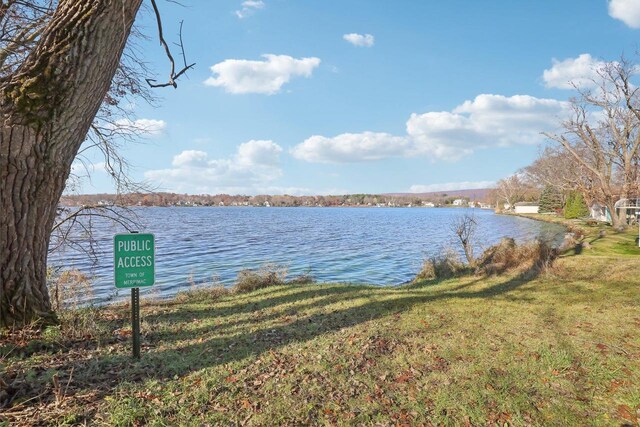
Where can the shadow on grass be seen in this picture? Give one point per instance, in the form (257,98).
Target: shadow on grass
(290,306)
(251,306)
(103,372)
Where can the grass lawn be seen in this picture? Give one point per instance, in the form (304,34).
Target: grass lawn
(557,348)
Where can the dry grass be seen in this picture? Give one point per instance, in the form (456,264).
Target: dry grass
(252,280)
(68,289)
(558,346)
(443,266)
(508,256)
(247,280)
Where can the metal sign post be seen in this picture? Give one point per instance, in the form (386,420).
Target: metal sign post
(638,220)
(133,267)
(135,321)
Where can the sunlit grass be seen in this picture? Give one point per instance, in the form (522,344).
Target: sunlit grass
(560,348)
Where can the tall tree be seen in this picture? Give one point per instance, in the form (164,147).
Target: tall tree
(48,101)
(514,189)
(602,136)
(555,169)
(550,200)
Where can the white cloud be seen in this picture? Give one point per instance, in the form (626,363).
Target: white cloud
(149,127)
(99,167)
(488,120)
(83,169)
(249,7)
(256,153)
(241,76)
(451,186)
(191,159)
(580,71)
(350,147)
(627,11)
(252,169)
(361,40)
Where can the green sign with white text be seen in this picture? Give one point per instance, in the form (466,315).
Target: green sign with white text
(134,260)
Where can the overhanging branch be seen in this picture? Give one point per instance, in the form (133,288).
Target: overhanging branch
(173,75)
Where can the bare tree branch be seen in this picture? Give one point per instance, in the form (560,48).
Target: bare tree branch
(173,76)
(464,227)
(602,136)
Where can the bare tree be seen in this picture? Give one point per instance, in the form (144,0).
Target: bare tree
(602,136)
(464,227)
(61,66)
(555,168)
(514,189)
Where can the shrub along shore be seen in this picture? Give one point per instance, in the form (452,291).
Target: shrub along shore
(527,344)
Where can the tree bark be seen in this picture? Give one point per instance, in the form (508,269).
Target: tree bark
(46,108)
(616,220)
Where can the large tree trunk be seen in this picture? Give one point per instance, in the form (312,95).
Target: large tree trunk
(46,108)
(617,221)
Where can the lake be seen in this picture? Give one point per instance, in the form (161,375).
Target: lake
(381,246)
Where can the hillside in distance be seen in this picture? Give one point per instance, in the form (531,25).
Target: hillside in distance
(474,194)
(441,198)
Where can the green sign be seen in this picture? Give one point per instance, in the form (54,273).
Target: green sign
(134,260)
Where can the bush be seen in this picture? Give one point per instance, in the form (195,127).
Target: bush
(575,206)
(267,275)
(302,279)
(443,266)
(248,280)
(507,256)
(68,288)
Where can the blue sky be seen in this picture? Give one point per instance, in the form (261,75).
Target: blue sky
(346,96)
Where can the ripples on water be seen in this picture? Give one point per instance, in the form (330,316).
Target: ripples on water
(381,246)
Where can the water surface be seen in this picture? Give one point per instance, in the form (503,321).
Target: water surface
(381,246)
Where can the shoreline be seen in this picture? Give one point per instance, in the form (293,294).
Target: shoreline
(435,352)
(280,207)
(569,224)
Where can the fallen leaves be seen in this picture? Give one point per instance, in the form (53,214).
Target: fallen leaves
(616,384)
(626,413)
(123,333)
(603,348)
(348,363)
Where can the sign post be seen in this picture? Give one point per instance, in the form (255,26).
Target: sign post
(638,220)
(135,321)
(134,267)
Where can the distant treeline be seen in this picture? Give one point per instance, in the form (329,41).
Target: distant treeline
(172,199)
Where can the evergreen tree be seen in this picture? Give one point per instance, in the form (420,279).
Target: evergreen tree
(550,200)
(582,210)
(576,206)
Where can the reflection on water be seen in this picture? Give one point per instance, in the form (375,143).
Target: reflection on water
(382,246)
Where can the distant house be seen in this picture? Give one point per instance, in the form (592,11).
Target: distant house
(599,212)
(526,208)
(629,209)
(459,202)
(428,204)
